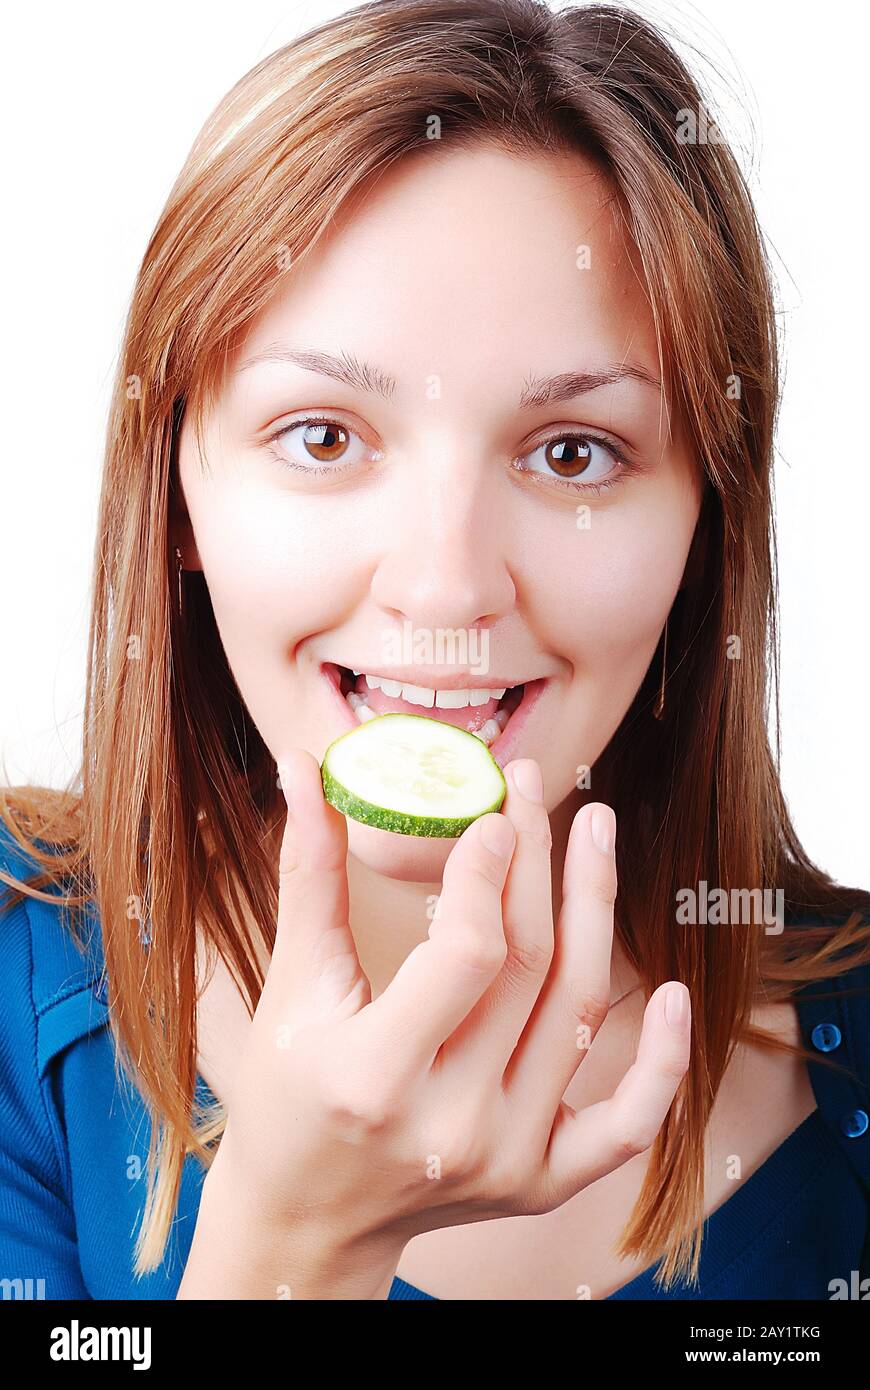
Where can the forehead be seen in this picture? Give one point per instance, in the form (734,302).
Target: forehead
(464,262)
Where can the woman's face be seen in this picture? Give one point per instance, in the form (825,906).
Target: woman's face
(494,499)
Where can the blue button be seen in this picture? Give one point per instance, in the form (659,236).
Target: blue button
(826,1036)
(855,1123)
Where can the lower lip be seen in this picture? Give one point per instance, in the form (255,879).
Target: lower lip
(502,748)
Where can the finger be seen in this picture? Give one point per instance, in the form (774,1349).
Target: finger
(575,997)
(587,1144)
(441,980)
(315,957)
(488,1036)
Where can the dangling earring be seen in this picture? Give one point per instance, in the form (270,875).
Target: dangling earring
(178,566)
(660,702)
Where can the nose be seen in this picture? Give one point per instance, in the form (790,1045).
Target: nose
(444,557)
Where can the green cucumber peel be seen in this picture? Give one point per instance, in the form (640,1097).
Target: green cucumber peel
(412,775)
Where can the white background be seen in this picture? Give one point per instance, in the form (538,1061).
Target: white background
(101,103)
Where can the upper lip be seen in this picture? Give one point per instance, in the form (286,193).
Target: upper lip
(438,679)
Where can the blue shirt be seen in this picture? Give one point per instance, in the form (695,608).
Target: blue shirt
(74,1139)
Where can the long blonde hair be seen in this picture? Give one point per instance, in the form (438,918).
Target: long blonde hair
(178,801)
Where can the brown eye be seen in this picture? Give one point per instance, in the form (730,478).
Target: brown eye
(326,442)
(569,456)
(319,445)
(580,461)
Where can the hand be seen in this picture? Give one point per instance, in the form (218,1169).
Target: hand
(440,1102)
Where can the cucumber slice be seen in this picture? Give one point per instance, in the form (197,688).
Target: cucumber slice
(412,775)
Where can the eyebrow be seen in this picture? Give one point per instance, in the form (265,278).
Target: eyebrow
(343,367)
(550,390)
(363,376)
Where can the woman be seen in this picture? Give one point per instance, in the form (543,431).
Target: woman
(447,327)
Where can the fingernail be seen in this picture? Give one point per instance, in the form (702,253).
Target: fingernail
(677,1007)
(603,829)
(527,779)
(497,834)
(284,782)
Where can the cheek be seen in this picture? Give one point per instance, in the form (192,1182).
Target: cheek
(275,564)
(604,593)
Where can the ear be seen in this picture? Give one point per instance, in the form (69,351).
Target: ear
(180,526)
(181,536)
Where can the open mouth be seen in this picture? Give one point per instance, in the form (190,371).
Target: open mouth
(489,714)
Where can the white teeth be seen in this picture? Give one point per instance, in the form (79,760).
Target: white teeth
(416,695)
(451,699)
(488,732)
(428,698)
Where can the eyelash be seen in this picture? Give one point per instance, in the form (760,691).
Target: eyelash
(626,467)
(271,443)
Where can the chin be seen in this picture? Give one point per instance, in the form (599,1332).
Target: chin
(411,858)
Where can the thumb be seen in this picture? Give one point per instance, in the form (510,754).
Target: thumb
(315,956)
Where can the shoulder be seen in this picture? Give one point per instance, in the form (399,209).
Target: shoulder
(846,991)
(834,1015)
(48,982)
(48,1003)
